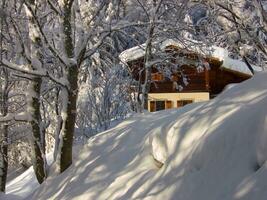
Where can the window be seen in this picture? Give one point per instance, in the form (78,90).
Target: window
(174,77)
(160,105)
(182,103)
(152,106)
(168,104)
(157,76)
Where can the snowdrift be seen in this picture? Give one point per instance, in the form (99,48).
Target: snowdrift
(215,150)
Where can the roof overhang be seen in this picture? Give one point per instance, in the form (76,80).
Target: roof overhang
(212,52)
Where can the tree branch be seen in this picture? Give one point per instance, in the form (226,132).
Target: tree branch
(51,48)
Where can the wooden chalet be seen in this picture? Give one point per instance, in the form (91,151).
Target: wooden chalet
(172,92)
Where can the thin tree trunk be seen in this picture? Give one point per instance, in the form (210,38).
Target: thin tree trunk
(34,104)
(4,140)
(3,127)
(69,121)
(58,126)
(71,95)
(248,64)
(148,53)
(34,108)
(148,58)
(3,157)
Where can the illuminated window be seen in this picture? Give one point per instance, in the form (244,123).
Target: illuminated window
(174,78)
(157,76)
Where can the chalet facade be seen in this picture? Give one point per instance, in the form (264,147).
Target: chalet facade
(203,84)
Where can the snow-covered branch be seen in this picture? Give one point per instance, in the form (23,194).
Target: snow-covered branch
(63,59)
(54,7)
(26,72)
(22,68)
(21,117)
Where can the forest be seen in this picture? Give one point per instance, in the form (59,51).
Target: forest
(63,79)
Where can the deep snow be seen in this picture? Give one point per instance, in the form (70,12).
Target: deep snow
(214,150)
(23,185)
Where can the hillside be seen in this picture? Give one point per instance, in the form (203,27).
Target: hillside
(211,150)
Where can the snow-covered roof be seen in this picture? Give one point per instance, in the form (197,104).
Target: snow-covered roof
(133,53)
(238,66)
(137,52)
(213,51)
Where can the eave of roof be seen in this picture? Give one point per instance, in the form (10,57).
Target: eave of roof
(214,51)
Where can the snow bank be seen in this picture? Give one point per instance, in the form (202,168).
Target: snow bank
(8,196)
(23,185)
(213,150)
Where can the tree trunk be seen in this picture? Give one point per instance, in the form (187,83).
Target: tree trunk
(70,109)
(58,127)
(148,52)
(34,104)
(34,108)
(4,132)
(148,58)
(3,157)
(69,120)
(3,127)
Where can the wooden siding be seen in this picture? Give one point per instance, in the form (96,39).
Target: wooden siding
(213,80)
(219,78)
(197,82)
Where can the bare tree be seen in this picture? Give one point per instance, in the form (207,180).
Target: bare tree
(241,28)
(166,21)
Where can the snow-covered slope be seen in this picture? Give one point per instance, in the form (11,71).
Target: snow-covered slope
(215,150)
(24,184)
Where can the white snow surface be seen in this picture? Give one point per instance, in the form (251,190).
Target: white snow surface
(213,51)
(214,150)
(238,66)
(133,53)
(23,185)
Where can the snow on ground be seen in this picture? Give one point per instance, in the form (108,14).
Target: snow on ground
(23,185)
(210,150)
(8,196)
(26,183)
(214,150)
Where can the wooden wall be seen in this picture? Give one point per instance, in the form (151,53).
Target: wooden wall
(213,80)
(220,77)
(195,79)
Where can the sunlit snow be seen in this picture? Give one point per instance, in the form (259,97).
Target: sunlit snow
(211,150)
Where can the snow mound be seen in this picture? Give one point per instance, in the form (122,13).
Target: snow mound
(24,184)
(214,150)
(8,196)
